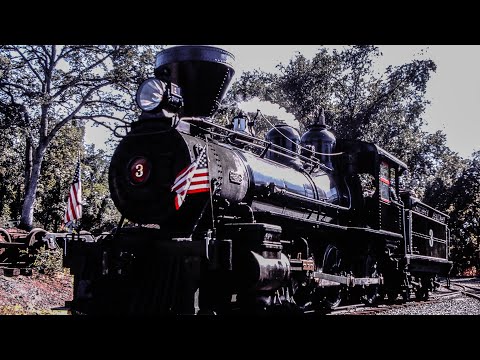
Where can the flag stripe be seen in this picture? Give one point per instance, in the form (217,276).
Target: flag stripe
(184,175)
(179,186)
(196,179)
(183,178)
(73,209)
(178,202)
(193,179)
(198,191)
(199,184)
(186,186)
(183,171)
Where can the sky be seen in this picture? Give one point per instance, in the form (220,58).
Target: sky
(453,90)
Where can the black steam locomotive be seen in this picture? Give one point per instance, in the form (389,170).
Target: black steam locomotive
(228,222)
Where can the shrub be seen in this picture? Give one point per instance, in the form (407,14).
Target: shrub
(49,261)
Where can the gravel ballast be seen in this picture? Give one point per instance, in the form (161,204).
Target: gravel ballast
(461,305)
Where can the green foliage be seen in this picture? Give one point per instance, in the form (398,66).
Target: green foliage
(11,169)
(460,198)
(50,261)
(361,104)
(44,88)
(99,212)
(56,175)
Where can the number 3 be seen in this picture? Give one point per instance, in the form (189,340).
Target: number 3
(139,172)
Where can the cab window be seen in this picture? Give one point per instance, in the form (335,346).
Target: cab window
(384,182)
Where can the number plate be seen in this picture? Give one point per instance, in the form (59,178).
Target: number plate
(139,170)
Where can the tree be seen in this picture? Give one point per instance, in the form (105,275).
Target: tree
(359,103)
(385,109)
(11,164)
(460,200)
(43,88)
(56,176)
(99,212)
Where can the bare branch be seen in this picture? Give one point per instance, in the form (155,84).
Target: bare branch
(61,123)
(42,58)
(93,118)
(13,85)
(47,53)
(111,103)
(77,81)
(10,95)
(101,123)
(64,53)
(28,64)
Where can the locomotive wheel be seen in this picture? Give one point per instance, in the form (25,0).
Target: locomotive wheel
(331,296)
(371,293)
(5,235)
(406,295)
(392,295)
(34,237)
(421,293)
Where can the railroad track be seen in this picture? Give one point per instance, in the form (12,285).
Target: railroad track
(361,309)
(468,290)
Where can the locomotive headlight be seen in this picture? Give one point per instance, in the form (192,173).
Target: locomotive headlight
(150,94)
(156,96)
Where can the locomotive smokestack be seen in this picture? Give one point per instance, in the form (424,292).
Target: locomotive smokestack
(202,72)
(320,120)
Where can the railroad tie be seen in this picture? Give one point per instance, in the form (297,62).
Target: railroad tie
(28,271)
(11,271)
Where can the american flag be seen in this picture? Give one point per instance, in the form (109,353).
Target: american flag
(191,180)
(74,203)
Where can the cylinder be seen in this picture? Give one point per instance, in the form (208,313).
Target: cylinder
(268,274)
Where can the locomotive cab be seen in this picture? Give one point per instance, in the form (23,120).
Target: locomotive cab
(378,174)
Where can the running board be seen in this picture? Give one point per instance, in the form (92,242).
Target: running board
(349,280)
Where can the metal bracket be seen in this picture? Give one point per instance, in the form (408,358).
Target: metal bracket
(349,280)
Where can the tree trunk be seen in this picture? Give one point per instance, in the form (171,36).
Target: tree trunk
(26,220)
(28,162)
(3,192)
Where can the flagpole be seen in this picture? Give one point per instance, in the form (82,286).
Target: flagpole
(211,192)
(216,187)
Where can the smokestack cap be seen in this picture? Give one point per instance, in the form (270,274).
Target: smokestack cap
(202,72)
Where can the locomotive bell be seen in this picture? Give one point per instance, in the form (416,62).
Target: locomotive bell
(322,140)
(202,72)
(286,137)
